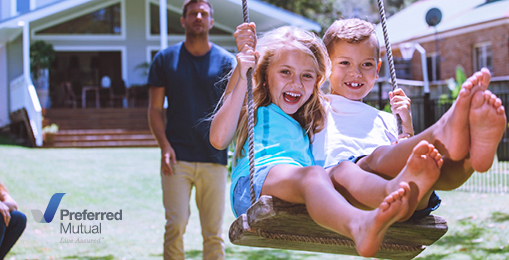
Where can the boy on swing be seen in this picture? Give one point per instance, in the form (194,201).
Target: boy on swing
(358,136)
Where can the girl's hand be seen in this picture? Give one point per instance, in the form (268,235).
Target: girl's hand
(245,34)
(246,59)
(400,105)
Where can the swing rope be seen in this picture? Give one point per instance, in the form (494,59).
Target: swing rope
(250,111)
(241,233)
(250,121)
(383,20)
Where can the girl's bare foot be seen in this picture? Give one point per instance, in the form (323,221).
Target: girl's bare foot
(421,172)
(487,124)
(370,230)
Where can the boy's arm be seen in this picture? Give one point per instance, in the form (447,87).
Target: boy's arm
(400,105)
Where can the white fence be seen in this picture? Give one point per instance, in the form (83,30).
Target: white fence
(496,180)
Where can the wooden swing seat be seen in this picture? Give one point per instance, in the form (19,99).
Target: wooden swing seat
(275,223)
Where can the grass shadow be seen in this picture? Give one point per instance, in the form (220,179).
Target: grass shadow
(498,216)
(461,238)
(266,254)
(194,254)
(433,257)
(467,239)
(106,257)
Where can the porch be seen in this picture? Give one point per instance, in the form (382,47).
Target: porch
(98,127)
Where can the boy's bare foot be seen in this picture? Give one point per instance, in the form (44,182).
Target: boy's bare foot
(487,124)
(451,134)
(421,172)
(369,233)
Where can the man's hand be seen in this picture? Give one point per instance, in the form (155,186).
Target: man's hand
(168,157)
(4,210)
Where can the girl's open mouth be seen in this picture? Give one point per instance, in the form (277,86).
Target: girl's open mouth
(291,97)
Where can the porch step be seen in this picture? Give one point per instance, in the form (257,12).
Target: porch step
(103,138)
(98,118)
(99,128)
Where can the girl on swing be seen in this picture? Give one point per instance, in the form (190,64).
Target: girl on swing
(291,64)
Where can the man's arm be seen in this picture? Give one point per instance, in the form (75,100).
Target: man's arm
(6,198)
(7,204)
(157,126)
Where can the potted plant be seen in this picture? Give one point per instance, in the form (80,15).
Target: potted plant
(42,55)
(48,134)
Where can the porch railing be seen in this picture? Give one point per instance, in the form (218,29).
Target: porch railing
(24,96)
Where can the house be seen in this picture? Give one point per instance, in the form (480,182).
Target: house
(96,38)
(471,34)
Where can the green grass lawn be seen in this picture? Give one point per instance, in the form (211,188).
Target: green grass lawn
(128,179)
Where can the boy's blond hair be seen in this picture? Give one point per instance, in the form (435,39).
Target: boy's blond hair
(311,116)
(351,31)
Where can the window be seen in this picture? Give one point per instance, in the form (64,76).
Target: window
(433,63)
(173,21)
(22,6)
(100,22)
(483,56)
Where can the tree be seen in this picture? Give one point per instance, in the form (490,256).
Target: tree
(325,12)
(42,55)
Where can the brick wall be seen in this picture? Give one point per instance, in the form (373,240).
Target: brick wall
(459,50)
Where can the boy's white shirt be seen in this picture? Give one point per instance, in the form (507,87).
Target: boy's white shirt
(352,128)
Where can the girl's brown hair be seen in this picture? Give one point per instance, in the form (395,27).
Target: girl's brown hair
(311,116)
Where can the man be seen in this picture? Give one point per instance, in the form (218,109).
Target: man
(189,74)
(12,222)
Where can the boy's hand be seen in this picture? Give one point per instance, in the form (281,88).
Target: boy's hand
(245,34)
(400,105)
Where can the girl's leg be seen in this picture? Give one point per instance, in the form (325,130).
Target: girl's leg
(313,187)
(367,189)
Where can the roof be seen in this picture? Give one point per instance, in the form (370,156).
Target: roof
(410,24)
(227,12)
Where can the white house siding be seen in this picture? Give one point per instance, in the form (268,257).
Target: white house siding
(4,103)
(134,44)
(136,41)
(15,58)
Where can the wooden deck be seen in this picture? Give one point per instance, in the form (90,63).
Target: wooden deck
(99,127)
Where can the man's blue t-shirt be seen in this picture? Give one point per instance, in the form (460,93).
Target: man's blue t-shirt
(193,85)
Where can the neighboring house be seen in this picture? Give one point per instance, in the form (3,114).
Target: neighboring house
(96,38)
(472,34)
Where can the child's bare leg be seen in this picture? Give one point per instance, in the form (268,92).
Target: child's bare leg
(369,233)
(487,124)
(312,186)
(450,135)
(420,172)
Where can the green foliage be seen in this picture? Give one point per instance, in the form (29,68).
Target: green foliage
(42,55)
(387,108)
(444,99)
(325,12)
(460,79)
(53,128)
